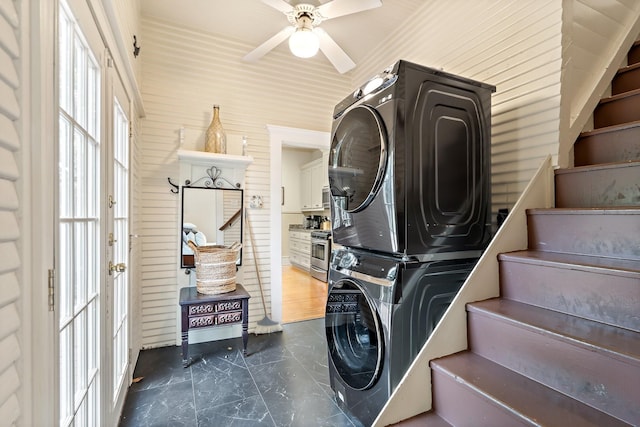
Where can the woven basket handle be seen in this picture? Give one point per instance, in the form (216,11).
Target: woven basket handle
(194,247)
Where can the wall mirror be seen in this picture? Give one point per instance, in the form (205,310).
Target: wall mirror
(210,216)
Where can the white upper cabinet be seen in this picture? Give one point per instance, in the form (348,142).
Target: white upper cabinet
(313,177)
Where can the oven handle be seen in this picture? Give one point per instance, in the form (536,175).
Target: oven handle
(319,270)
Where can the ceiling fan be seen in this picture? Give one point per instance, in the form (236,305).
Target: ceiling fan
(305,37)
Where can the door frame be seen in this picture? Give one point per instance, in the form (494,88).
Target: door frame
(280,136)
(39,45)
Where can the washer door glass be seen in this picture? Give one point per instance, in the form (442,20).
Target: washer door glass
(357,158)
(354,335)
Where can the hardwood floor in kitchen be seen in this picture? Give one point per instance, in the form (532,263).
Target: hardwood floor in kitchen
(303,297)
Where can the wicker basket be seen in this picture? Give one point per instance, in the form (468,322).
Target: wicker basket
(215,267)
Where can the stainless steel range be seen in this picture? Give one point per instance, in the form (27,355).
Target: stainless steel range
(320,254)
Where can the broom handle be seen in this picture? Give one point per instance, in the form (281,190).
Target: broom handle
(255,260)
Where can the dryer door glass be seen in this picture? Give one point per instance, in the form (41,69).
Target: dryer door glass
(354,335)
(357,158)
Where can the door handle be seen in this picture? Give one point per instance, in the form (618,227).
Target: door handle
(118,268)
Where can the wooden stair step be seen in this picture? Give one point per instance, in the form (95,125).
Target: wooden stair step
(607,232)
(613,184)
(634,53)
(574,284)
(627,79)
(426,419)
(470,390)
(594,363)
(617,109)
(618,143)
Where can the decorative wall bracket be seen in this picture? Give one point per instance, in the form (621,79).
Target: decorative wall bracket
(212,179)
(175,189)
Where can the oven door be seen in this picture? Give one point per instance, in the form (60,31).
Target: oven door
(357,158)
(320,253)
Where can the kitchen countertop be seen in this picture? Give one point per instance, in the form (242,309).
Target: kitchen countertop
(299,227)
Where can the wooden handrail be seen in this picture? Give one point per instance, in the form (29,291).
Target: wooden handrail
(231,220)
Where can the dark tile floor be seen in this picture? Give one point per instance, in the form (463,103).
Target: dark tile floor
(284,381)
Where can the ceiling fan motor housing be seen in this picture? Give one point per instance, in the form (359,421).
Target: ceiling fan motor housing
(304,12)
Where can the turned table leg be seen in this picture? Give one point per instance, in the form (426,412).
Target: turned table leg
(245,325)
(185,336)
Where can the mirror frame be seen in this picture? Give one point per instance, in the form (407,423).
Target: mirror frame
(241,219)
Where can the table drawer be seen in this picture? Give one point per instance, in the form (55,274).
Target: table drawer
(214,307)
(215,319)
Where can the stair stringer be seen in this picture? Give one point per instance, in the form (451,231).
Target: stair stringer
(413,394)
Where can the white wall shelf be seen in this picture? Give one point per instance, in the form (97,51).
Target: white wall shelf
(220,160)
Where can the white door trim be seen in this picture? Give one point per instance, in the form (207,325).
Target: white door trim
(280,136)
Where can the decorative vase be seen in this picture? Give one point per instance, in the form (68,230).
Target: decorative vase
(216,141)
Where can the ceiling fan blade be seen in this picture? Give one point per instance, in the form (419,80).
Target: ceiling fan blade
(336,8)
(333,52)
(265,47)
(280,5)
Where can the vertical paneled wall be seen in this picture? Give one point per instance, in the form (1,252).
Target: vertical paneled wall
(184,73)
(128,12)
(10,280)
(512,44)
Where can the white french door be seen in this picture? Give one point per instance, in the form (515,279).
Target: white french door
(92,242)
(78,251)
(118,246)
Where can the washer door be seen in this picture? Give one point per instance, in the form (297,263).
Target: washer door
(354,335)
(357,158)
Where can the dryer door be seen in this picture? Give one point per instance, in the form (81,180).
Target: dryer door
(354,335)
(357,158)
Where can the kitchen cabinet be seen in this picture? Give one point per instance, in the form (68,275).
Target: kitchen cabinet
(313,176)
(300,248)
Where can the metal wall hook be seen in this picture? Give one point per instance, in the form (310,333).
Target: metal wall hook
(175,189)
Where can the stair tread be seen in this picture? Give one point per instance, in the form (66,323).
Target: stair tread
(620,343)
(619,96)
(612,128)
(599,166)
(614,210)
(430,419)
(618,266)
(519,395)
(628,68)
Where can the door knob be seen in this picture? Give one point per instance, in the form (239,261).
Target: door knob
(118,268)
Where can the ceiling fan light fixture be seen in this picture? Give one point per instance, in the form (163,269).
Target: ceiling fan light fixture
(304,43)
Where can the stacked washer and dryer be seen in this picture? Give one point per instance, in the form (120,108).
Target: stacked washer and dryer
(409,175)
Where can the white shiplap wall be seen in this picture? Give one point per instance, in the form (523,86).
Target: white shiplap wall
(184,73)
(10,283)
(512,44)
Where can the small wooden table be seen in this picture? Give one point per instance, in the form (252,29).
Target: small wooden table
(202,311)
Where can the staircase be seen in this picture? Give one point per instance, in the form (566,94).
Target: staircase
(561,346)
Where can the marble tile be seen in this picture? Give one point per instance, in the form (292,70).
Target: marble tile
(248,412)
(266,348)
(170,406)
(292,396)
(220,378)
(160,367)
(283,382)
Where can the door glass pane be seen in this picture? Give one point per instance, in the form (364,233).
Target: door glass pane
(357,158)
(353,335)
(78,248)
